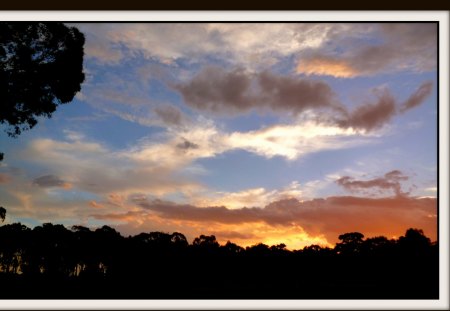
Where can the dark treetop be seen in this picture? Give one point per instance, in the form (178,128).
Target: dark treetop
(41,67)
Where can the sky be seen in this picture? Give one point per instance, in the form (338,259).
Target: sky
(255,132)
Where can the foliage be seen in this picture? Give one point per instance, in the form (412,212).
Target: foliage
(2,213)
(102,263)
(41,66)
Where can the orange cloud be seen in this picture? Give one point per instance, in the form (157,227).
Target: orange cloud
(243,234)
(94,204)
(67,186)
(290,221)
(116,199)
(129,216)
(327,66)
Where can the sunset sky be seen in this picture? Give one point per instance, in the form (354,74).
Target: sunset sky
(275,133)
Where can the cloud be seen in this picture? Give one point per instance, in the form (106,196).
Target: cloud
(387,48)
(214,89)
(390,181)
(323,65)
(370,116)
(95,204)
(229,92)
(98,45)
(205,140)
(103,176)
(294,141)
(5,178)
(127,94)
(431,189)
(165,116)
(116,199)
(128,216)
(95,168)
(122,180)
(243,234)
(50,181)
(250,44)
(329,217)
(252,197)
(417,97)
(222,92)
(247,197)
(233,235)
(337,49)
(187,145)
(97,175)
(170,115)
(344,50)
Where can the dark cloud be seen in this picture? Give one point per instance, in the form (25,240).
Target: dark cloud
(417,97)
(396,175)
(236,91)
(186,144)
(370,116)
(218,91)
(190,212)
(170,115)
(390,181)
(49,181)
(294,94)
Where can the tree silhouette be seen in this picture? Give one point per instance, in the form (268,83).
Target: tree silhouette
(84,249)
(179,240)
(13,246)
(232,248)
(41,67)
(206,241)
(259,249)
(317,250)
(54,246)
(379,245)
(2,213)
(414,242)
(278,247)
(108,244)
(351,243)
(51,261)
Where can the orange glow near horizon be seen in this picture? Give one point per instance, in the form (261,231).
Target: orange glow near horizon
(317,222)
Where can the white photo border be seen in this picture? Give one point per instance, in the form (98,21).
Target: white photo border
(279,16)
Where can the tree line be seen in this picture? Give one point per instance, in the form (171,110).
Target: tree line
(51,261)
